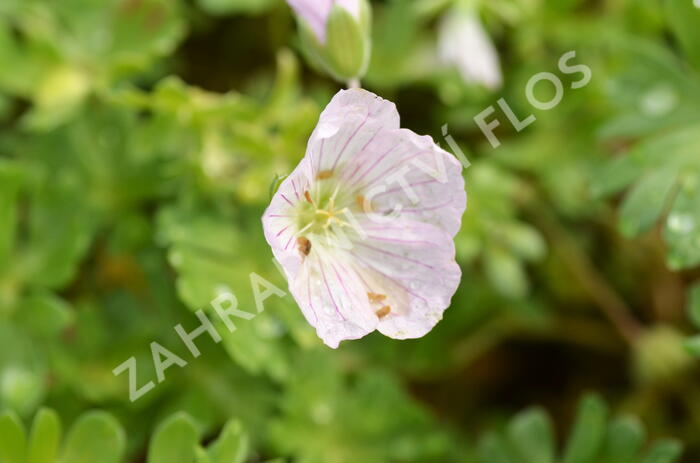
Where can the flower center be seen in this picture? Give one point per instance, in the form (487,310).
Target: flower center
(319,215)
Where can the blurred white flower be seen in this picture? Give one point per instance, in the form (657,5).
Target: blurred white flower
(463,42)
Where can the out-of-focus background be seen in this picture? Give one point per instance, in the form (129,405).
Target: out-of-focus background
(140,141)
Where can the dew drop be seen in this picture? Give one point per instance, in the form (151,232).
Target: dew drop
(681,223)
(322,413)
(659,100)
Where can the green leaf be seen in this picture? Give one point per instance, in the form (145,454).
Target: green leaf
(60,233)
(615,176)
(10,176)
(493,449)
(13,439)
(45,437)
(692,345)
(45,314)
(588,432)
(221,7)
(231,446)
(506,273)
(644,205)
(175,441)
(666,451)
(97,437)
(682,230)
(531,435)
(201,455)
(524,241)
(684,18)
(623,441)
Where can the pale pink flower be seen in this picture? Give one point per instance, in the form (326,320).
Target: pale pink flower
(364,226)
(315,13)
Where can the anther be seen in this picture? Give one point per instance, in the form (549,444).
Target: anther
(303,245)
(363,204)
(383,312)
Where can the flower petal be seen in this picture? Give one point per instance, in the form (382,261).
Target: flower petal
(333,298)
(416,179)
(315,13)
(414,263)
(279,224)
(351,125)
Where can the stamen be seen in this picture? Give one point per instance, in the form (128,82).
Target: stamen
(324,174)
(376,298)
(308,196)
(364,205)
(309,225)
(383,312)
(335,193)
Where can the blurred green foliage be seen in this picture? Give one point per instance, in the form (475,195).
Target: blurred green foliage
(528,437)
(139,142)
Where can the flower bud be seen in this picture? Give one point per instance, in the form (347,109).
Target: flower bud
(335,35)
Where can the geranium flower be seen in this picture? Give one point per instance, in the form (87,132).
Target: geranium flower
(364,226)
(464,43)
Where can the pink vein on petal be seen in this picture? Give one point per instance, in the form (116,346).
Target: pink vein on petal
(320,157)
(386,171)
(342,283)
(398,256)
(308,295)
(423,209)
(398,188)
(378,160)
(289,242)
(330,294)
(342,151)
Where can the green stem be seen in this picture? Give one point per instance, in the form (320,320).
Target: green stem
(603,294)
